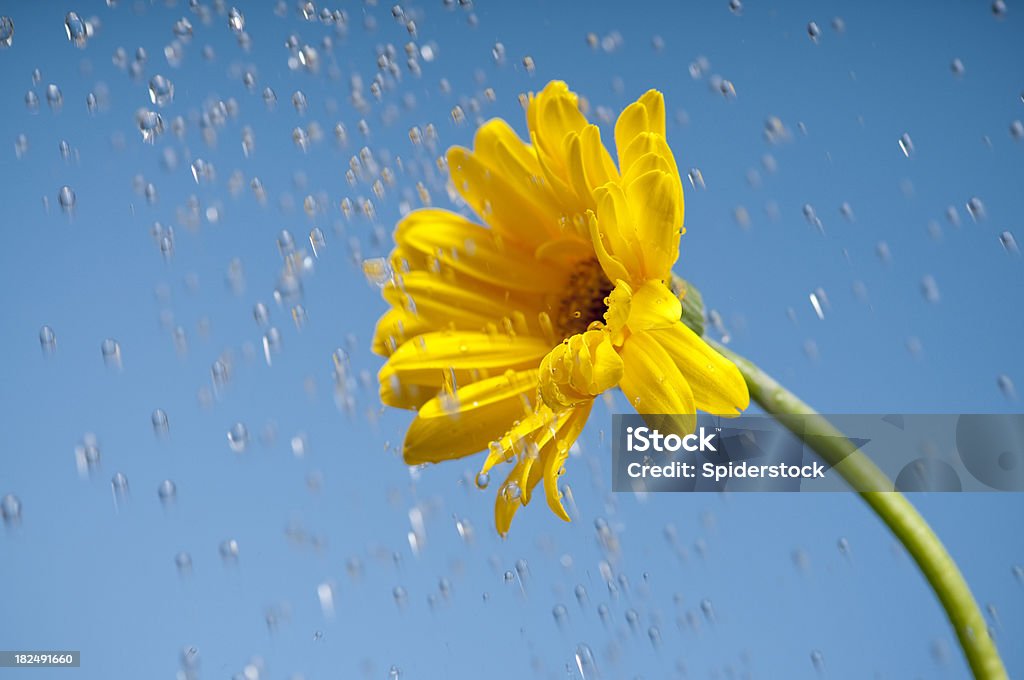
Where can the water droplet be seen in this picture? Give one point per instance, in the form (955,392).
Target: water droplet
(167,492)
(75,29)
(632,618)
(183,28)
(378,271)
(150,124)
(6,31)
(906,145)
(238,437)
(818,661)
(161,90)
(581,595)
(976,209)
(844,546)
(160,423)
(655,635)
(813,32)
(111,351)
(10,509)
(394,673)
(119,486)
(999,9)
(183,561)
(236,21)
(299,102)
(957,67)
(483,479)
(54,97)
(735,6)
(708,609)
(561,614)
(228,550)
(529,65)
(930,289)
(66,198)
(1006,386)
(1009,243)
(47,340)
(400,596)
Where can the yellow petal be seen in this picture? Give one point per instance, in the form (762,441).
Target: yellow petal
(578,369)
(646,115)
(557,451)
(453,426)
(429,359)
(716,383)
(643,144)
(474,250)
(498,146)
(612,266)
(656,204)
(653,305)
(556,114)
(620,301)
(395,327)
(654,385)
(616,229)
(500,203)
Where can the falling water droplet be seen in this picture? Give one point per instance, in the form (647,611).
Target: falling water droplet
(10,509)
(119,486)
(167,492)
(160,423)
(183,561)
(238,437)
(906,145)
(66,198)
(47,340)
(228,550)
(6,31)
(818,661)
(236,21)
(813,32)
(54,97)
(111,351)
(161,90)
(1006,387)
(75,29)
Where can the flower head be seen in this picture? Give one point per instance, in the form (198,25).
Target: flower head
(501,335)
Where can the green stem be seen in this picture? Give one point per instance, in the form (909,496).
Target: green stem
(891,506)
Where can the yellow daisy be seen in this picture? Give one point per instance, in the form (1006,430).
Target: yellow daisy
(501,335)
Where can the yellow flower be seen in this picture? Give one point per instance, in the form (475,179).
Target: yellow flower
(501,336)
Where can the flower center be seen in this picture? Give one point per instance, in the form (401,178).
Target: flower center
(583,299)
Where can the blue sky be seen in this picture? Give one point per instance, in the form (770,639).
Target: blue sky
(742,585)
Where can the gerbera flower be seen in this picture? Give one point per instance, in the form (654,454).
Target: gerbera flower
(501,335)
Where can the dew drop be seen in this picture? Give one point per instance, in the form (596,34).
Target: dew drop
(483,479)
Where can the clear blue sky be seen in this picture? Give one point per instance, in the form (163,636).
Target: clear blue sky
(82,571)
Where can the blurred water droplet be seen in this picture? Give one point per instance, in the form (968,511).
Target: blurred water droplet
(111,351)
(999,8)
(10,509)
(167,491)
(844,546)
(150,124)
(54,97)
(976,209)
(1006,387)
(735,6)
(930,289)
(509,576)
(160,423)
(1017,130)
(47,340)
(708,610)
(654,634)
(957,67)
(75,29)
(906,145)
(236,21)
(813,32)
(399,595)
(6,31)
(632,618)
(818,661)
(560,614)
(161,90)
(238,437)
(581,595)
(394,673)
(228,550)
(66,198)
(183,561)
(1009,243)
(119,486)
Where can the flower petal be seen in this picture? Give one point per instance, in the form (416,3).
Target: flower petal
(395,327)
(654,385)
(429,359)
(656,204)
(578,369)
(449,427)
(471,249)
(645,115)
(653,305)
(716,383)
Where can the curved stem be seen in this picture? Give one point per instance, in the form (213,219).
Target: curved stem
(891,506)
